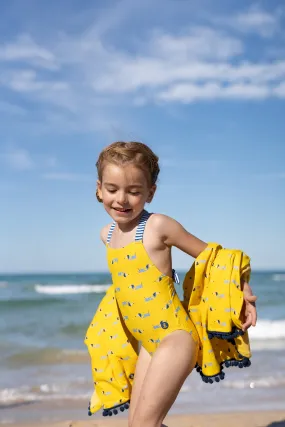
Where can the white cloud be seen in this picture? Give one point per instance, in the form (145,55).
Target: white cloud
(28,81)
(210,63)
(42,91)
(18,159)
(196,43)
(188,93)
(279,90)
(257,20)
(70,177)
(254,20)
(24,49)
(155,73)
(86,76)
(167,58)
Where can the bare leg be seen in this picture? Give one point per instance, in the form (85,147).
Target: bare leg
(170,365)
(140,372)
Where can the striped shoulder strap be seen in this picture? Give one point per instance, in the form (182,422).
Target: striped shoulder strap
(110,232)
(141,226)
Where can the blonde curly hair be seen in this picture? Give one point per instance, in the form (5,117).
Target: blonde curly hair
(122,153)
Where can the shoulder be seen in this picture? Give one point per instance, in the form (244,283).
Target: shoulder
(158,219)
(161,223)
(172,233)
(104,233)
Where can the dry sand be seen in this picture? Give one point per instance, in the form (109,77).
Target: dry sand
(245,419)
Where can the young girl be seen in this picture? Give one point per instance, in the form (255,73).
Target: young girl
(139,255)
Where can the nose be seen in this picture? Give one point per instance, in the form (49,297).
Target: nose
(121,197)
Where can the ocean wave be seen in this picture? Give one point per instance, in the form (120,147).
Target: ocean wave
(278,277)
(47,356)
(3,284)
(42,392)
(263,382)
(268,330)
(260,345)
(70,289)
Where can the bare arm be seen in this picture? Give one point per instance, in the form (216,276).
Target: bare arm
(104,233)
(174,234)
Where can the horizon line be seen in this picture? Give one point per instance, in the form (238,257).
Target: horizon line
(63,272)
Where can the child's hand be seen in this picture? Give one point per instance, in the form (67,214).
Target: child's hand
(249,309)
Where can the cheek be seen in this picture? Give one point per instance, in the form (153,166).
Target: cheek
(107,196)
(136,200)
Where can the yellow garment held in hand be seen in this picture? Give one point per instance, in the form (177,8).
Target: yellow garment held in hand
(213,300)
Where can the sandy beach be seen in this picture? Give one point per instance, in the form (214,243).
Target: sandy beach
(245,419)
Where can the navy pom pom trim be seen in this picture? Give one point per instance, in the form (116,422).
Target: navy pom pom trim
(114,410)
(241,363)
(235,332)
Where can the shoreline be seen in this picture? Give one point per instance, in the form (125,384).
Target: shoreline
(233,419)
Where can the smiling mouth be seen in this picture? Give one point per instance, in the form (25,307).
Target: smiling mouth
(122,210)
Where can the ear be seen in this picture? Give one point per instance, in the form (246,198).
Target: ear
(151,193)
(99,189)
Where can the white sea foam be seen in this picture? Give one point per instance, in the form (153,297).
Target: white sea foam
(70,289)
(278,277)
(267,335)
(268,330)
(263,382)
(42,392)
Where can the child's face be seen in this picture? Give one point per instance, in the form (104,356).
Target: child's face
(124,191)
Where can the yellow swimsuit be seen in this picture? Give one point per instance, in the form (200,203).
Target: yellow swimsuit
(147,299)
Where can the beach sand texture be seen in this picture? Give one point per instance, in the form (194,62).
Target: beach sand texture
(242,419)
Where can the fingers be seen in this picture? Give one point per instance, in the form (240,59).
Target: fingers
(247,323)
(252,309)
(251,298)
(253,316)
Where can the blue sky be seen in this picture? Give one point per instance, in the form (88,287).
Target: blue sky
(201,82)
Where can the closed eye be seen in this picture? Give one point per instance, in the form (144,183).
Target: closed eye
(133,193)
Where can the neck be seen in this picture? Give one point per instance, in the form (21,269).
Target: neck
(125,228)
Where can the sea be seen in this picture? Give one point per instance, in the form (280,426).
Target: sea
(45,370)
